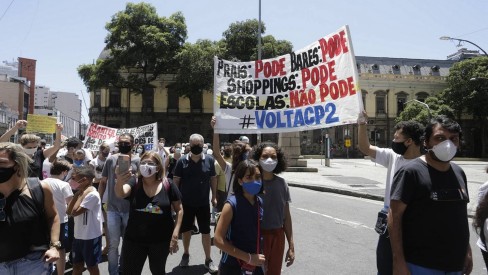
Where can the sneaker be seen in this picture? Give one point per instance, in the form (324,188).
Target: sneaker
(212,269)
(185,260)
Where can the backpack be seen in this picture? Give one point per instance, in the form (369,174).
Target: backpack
(37,194)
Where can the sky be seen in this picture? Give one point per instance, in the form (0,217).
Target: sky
(63,34)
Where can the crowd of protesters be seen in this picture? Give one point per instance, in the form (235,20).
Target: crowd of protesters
(143,200)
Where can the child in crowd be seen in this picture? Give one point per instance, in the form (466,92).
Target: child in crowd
(238,230)
(86,210)
(277,223)
(62,196)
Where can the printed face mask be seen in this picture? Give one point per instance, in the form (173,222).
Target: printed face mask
(444,151)
(269,164)
(147,170)
(30,151)
(399,147)
(77,162)
(6,173)
(252,187)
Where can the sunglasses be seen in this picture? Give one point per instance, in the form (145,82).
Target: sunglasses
(3,201)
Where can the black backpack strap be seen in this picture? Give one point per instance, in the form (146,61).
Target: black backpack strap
(37,193)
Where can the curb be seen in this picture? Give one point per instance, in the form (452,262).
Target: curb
(349,193)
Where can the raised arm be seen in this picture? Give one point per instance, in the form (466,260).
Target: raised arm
(216,145)
(363,141)
(18,125)
(57,142)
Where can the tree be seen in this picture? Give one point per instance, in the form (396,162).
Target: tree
(240,41)
(140,47)
(419,112)
(195,71)
(467,92)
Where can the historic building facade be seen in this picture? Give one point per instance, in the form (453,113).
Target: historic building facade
(387,85)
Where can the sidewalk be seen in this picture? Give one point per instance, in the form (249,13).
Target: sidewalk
(365,179)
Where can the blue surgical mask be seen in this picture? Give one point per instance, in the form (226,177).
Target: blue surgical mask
(252,187)
(78,162)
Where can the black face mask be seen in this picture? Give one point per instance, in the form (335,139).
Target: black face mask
(196,149)
(399,147)
(6,174)
(124,149)
(227,153)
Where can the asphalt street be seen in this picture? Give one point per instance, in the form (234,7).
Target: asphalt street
(334,211)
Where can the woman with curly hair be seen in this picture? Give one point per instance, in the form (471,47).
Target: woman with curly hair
(479,221)
(277,223)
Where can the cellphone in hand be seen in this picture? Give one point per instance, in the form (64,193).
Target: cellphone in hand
(123,162)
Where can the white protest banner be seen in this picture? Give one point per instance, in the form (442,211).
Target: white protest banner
(315,87)
(97,134)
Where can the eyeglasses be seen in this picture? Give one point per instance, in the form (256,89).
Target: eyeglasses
(3,201)
(148,163)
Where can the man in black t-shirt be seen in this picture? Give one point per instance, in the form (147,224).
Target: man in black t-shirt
(195,176)
(428,221)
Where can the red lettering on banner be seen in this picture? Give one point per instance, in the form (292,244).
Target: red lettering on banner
(271,68)
(301,98)
(318,75)
(339,89)
(334,46)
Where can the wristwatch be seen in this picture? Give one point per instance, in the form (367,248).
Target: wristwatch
(56,244)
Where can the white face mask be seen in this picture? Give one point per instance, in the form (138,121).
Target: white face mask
(444,151)
(30,151)
(269,164)
(147,170)
(139,150)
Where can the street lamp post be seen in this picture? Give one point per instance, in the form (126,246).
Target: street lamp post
(421,103)
(462,40)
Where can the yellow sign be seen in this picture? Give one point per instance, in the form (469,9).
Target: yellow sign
(41,124)
(347,142)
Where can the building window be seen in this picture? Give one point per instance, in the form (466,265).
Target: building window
(380,103)
(401,100)
(422,96)
(416,69)
(375,68)
(435,70)
(114,97)
(97,98)
(196,103)
(395,69)
(148,98)
(173,100)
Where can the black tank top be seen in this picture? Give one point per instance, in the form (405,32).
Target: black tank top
(25,228)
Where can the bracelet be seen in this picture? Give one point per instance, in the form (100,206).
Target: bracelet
(249,262)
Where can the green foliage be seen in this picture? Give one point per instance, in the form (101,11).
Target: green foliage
(141,46)
(240,41)
(468,87)
(195,72)
(419,112)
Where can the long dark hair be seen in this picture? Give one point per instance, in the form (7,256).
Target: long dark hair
(244,166)
(280,155)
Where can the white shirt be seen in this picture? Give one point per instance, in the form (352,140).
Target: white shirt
(393,161)
(89,224)
(61,191)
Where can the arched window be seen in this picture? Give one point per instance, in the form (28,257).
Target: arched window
(114,97)
(148,99)
(401,100)
(173,99)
